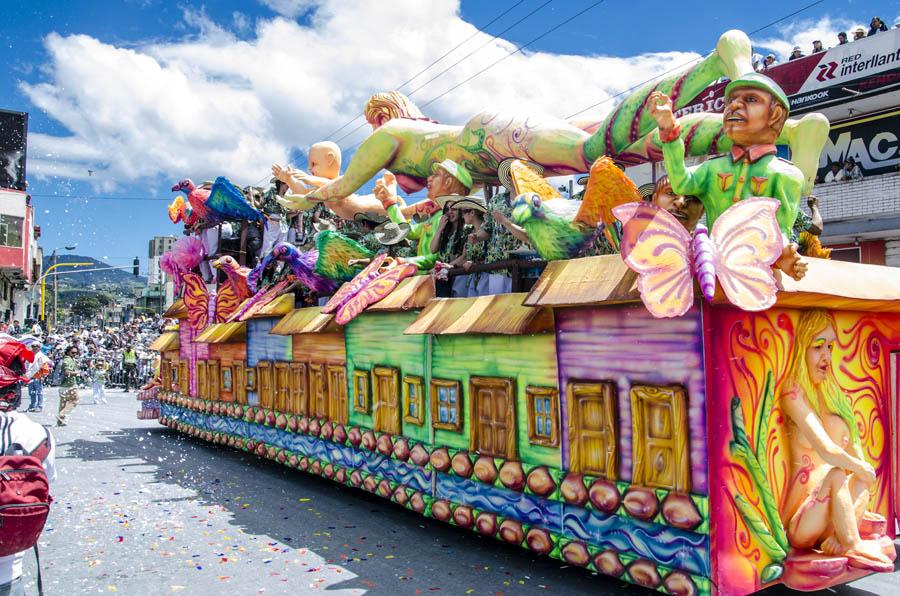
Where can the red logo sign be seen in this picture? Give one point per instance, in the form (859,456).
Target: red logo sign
(826,71)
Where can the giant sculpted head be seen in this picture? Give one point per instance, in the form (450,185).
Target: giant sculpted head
(756,109)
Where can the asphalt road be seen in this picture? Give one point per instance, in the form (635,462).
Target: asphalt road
(143,510)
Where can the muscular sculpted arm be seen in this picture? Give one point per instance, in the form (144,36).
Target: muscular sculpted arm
(375,153)
(800,412)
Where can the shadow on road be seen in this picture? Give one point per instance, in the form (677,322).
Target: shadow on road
(386,546)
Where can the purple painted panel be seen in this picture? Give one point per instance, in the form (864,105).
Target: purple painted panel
(627,345)
(191,351)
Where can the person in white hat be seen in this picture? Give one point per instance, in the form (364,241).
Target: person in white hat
(796,53)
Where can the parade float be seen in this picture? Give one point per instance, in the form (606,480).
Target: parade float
(703,412)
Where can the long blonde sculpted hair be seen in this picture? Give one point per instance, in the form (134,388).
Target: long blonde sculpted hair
(836,402)
(383,107)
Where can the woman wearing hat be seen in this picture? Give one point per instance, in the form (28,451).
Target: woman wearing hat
(475,250)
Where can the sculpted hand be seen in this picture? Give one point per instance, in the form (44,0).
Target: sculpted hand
(866,473)
(661,110)
(281,173)
(386,190)
(791,263)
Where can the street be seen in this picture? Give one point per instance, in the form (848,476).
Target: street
(142,510)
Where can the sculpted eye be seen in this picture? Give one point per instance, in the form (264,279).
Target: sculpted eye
(536,202)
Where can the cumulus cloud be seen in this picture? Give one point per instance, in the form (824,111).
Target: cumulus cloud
(803,32)
(213,103)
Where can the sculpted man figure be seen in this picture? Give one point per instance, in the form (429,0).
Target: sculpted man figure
(756,109)
(408,144)
(448,179)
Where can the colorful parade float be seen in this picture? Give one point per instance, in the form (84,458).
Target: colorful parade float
(702,411)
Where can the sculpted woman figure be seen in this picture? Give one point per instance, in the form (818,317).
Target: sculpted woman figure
(828,488)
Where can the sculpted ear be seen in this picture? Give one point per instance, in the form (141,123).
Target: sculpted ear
(777,115)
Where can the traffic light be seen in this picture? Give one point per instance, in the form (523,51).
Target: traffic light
(136,267)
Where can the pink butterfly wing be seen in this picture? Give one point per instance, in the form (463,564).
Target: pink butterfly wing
(657,247)
(353,286)
(374,291)
(748,241)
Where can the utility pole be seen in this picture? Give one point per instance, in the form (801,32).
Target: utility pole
(55,289)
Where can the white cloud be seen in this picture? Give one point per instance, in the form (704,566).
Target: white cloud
(214,104)
(802,33)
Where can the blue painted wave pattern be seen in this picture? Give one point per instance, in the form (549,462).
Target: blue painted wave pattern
(675,548)
(518,506)
(678,549)
(305,445)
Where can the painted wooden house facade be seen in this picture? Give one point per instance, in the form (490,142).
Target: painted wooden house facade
(567,421)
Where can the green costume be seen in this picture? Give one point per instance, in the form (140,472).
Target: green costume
(743,173)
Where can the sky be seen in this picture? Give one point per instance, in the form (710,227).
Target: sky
(127,97)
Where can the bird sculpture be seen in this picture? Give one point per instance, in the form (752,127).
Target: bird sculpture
(237,275)
(301,264)
(561,228)
(223,201)
(196,197)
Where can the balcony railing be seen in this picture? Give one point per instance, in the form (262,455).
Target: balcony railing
(874,195)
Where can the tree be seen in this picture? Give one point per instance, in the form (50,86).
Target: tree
(86,307)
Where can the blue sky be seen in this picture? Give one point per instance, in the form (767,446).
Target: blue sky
(145,92)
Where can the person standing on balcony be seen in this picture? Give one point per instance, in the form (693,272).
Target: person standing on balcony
(842,38)
(836,174)
(859,33)
(796,53)
(875,26)
(852,171)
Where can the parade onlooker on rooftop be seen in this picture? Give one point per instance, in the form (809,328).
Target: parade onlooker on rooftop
(852,171)
(836,174)
(859,33)
(769,62)
(842,38)
(796,53)
(876,25)
(817,47)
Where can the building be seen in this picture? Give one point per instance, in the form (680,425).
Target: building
(857,86)
(159,293)
(20,256)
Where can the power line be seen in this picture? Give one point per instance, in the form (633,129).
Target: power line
(689,62)
(98,197)
(444,55)
(496,62)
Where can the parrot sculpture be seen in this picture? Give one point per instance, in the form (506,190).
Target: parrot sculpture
(196,197)
(237,275)
(222,202)
(301,264)
(561,228)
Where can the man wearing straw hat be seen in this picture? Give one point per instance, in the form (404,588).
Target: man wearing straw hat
(448,180)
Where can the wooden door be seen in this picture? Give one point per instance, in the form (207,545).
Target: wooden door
(201,380)
(386,399)
(184,377)
(214,389)
(299,389)
(493,417)
(337,393)
(239,382)
(593,445)
(660,440)
(282,375)
(264,385)
(318,397)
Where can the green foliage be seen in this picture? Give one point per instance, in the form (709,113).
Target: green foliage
(770,533)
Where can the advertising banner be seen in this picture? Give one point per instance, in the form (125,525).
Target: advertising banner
(13,133)
(871,64)
(874,143)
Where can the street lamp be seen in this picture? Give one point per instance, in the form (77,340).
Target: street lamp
(55,281)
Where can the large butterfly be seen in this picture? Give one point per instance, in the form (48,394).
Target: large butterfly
(204,307)
(371,285)
(744,243)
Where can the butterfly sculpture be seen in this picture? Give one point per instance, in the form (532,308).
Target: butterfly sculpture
(744,243)
(370,285)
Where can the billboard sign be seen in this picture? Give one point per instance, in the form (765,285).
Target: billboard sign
(13,135)
(874,143)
